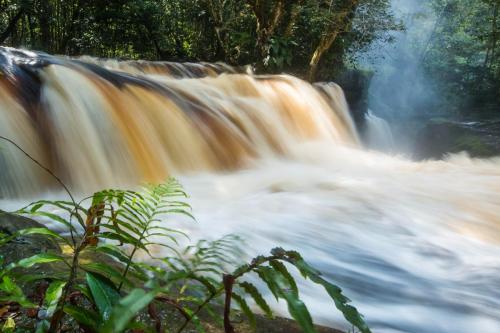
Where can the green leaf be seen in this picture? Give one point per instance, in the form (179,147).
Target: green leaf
(341,302)
(123,237)
(296,259)
(9,326)
(84,289)
(205,282)
(271,284)
(52,296)
(32,231)
(23,277)
(104,293)
(83,316)
(65,205)
(296,307)
(196,321)
(257,297)
(42,326)
(13,293)
(107,271)
(39,231)
(246,310)
(9,286)
(126,309)
(35,207)
(350,313)
(54,218)
(278,266)
(215,317)
(175,211)
(40,258)
(299,311)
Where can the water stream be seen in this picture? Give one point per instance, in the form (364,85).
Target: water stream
(277,161)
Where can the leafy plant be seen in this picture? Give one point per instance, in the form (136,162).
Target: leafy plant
(107,293)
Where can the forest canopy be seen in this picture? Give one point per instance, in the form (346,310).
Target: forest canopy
(314,39)
(462,53)
(277,35)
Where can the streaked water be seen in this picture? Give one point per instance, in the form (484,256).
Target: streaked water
(414,244)
(377,133)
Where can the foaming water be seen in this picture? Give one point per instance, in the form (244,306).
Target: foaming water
(415,245)
(378,134)
(275,160)
(101,123)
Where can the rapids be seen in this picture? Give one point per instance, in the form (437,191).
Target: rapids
(415,245)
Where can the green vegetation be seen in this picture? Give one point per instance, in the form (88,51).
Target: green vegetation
(462,53)
(312,38)
(100,285)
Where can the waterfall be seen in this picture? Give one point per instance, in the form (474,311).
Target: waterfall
(378,134)
(415,245)
(102,123)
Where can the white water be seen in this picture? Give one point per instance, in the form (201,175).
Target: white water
(415,245)
(378,134)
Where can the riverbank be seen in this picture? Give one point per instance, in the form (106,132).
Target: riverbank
(26,319)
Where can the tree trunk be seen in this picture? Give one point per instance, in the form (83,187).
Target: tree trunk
(216,10)
(68,34)
(44,12)
(265,28)
(11,26)
(323,46)
(294,15)
(341,23)
(491,52)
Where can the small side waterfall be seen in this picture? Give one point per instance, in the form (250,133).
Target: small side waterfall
(377,133)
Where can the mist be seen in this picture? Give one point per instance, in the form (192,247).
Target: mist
(399,87)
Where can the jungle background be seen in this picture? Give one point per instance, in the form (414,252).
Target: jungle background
(455,42)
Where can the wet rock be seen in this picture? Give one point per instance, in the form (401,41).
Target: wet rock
(355,84)
(24,246)
(441,137)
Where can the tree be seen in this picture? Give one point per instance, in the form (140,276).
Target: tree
(11,25)
(268,16)
(339,19)
(462,55)
(296,36)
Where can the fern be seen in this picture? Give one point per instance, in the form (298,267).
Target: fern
(271,270)
(132,219)
(117,225)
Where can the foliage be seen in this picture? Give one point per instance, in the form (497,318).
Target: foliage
(462,54)
(264,32)
(108,293)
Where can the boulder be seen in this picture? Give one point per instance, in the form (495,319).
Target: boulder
(440,137)
(355,84)
(24,246)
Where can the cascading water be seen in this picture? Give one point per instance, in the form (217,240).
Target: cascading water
(277,161)
(378,133)
(110,124)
